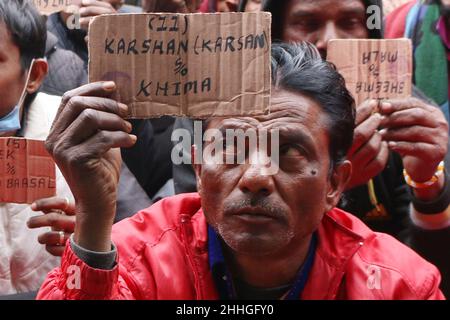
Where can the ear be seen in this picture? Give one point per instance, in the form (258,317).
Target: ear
(337,182)
(38,73)
(196,163)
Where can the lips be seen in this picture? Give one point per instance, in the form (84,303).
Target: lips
(255,214)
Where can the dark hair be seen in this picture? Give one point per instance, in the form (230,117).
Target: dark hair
(26,27)
(299,68)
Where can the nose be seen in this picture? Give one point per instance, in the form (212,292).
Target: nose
(256,179)
(328,33)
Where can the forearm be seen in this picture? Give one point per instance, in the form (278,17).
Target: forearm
(93,229)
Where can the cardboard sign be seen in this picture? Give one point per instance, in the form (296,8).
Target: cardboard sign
(194,65)
(47,7)
(375,69)
(27,171)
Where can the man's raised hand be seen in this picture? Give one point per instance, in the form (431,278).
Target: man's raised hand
(88,129)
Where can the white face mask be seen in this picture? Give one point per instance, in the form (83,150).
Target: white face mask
(11,122)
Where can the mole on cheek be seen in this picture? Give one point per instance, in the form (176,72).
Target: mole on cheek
(313,172)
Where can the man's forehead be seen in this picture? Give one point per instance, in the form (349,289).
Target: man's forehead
(286,108)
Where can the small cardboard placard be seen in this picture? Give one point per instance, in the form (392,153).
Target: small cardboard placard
(27,171)
(47,7)
(374,69)
(194,65)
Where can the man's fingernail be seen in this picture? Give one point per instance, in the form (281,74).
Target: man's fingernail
(129,126)
(386,105)
(33,206)
(109,85)
(133,137)
(383,132)
(123,107)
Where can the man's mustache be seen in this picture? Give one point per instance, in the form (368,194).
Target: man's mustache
(263,204)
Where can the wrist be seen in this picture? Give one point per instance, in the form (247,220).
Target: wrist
(434,205)
(423,179)
(93,238)
(431,192)
(93,229)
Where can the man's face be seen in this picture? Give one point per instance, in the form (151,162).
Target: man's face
(12,77)
(318,21)
(262,214)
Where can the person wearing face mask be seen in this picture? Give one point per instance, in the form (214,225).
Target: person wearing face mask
(25,112)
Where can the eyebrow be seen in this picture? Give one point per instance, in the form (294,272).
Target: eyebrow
(295,135)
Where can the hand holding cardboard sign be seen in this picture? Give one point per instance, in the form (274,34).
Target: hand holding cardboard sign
(369,154)
(89,9)
(87,131)
(418,132)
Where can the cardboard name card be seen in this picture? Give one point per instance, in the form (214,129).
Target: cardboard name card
(47,7)
(374,69)
(194,65)
(27,171)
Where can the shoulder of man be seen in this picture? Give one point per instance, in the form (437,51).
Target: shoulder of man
(395,270)
(381,267)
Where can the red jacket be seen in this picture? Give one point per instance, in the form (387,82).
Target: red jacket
(162,254)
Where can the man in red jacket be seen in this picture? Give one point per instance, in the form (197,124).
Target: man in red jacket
(248,233)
